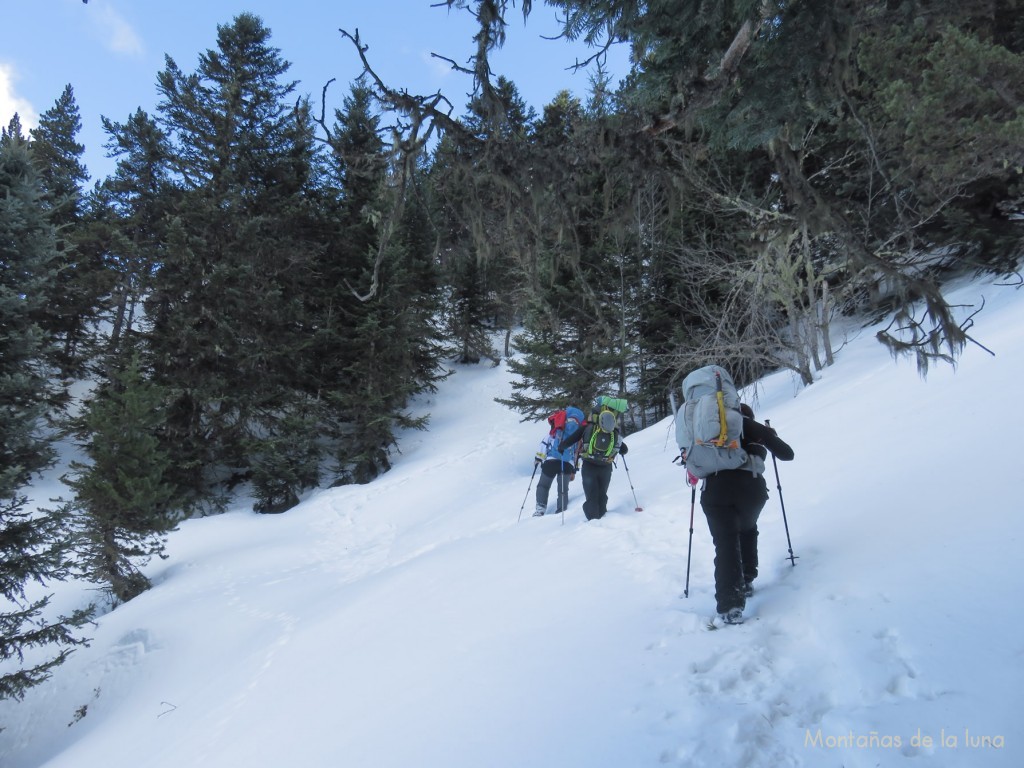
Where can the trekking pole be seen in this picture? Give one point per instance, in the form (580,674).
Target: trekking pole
(689,547)
(637,508)
(561,485)
(785,523)
(535,465)
(575,469)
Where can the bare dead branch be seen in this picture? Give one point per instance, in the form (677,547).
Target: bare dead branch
(417,118)
(421,110)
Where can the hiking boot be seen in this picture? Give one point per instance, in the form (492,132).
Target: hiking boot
(732,616)
(539,511)
(748,589)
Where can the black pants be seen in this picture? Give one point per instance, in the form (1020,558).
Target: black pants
(732,501)
(549,471)
(596,479)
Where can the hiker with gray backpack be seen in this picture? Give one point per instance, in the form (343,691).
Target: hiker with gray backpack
(722,444)
(600,441)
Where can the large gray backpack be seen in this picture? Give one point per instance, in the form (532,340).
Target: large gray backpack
(709,425)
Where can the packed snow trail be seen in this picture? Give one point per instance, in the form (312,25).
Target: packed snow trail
(414,622)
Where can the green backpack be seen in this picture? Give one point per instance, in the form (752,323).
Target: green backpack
(604,420)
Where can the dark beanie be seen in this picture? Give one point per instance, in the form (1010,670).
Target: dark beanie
(746,410)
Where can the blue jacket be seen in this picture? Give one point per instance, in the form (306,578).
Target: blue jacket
(549,445)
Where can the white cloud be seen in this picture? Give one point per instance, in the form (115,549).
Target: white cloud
(11,102)
(439,69)
(115,31)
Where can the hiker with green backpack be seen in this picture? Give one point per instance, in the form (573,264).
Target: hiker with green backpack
(724,446)
(600,442)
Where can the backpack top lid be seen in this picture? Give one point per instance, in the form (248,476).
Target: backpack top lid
(707,381)
(617,404)
(613,406)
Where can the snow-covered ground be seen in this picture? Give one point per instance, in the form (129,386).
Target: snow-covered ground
(418,622)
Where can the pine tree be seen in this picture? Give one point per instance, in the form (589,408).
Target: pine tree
(579,338)
(381,349)
(135,199)
(471,309)
(57,155)
(125,501)
(550,370)
(874,135)
(13,131)
(71,298)
(28,258)
(483,187)
(229,332)
(401,348)
(33,545)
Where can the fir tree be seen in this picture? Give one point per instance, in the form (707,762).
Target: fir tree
(229,333)
(71,296)
(13,130)
(579,337)
(125,502)
(57,155)
(33,545)
(484,192)
(136,199)
(28,258)
(381,349)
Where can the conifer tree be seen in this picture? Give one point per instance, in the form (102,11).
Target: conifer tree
(125,501)
(136,200)
(874,136)
(482,182)
(579,334)
(13,130)
(228,329)
(57,155)
(33,544)
(71,298)
(382,348)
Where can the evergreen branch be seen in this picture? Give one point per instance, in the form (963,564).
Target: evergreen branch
(708,90)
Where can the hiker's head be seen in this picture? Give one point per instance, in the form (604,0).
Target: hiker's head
(746,410)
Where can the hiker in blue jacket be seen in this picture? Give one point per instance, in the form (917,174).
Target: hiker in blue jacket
(732,500)
(599,443)
(555,463)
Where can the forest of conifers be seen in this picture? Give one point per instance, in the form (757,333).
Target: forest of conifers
(260,287)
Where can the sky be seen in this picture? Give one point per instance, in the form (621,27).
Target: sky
(426,620)
(111,51)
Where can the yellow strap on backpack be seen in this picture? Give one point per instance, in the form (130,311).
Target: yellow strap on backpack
(723,431)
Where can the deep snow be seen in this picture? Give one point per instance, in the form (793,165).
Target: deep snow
(415,621)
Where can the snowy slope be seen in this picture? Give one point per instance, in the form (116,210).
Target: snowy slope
(416,621)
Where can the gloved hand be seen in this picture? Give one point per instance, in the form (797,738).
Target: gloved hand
(623,449)
(538,458)
(691,479)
